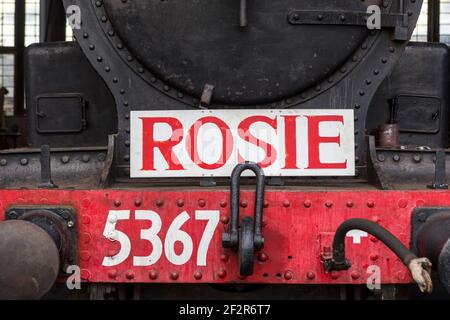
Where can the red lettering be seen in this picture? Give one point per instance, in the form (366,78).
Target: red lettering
(315,140)
(166,147)
(227,143)
(290,138)
(244,133)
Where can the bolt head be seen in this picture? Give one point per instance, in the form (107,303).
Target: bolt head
(180,203)
(159,203)
(263,257)
(70,224)
(153,275)
(130,275)
(201,203)
(198,275)
(112,274)
(288,275)
(334,275)
(221,273)
(138,202)
(225,219)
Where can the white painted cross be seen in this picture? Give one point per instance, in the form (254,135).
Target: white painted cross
(357,235)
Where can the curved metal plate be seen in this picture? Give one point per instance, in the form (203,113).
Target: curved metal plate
(191,43)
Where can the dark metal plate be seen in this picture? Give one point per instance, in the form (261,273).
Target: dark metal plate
(191,43)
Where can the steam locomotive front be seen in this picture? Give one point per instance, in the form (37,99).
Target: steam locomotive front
(151,133)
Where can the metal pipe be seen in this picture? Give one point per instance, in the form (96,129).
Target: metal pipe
(419,267)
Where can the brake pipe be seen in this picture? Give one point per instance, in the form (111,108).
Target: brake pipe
(419,268)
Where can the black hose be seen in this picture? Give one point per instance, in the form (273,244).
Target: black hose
(339,261)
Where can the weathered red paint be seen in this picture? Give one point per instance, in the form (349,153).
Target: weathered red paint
(296,234)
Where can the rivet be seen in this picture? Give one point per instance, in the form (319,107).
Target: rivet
(159,203)
(244,203)
(138,202)
(86,219)
(86,203)
(307,204)
(153,275)
(223,203)
(85,274)
(286,203)
(310,275)
(174,275)
(403,203)
(288,275)
(374,257)
(198,275)
(225,219)
(350,204)
(112,274)
(117,203)
(224,257)
(24,161)
(371,204)
(85,255)
(221,273)
(180,203)
(334,275)
(201,203)
(263,257)
(328,204)
(355,275)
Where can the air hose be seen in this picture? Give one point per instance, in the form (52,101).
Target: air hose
(420,268)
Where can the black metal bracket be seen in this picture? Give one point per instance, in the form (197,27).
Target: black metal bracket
(46,171)
(398,21)
(440,177)
(247,239)
(374,171)
(58,221)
